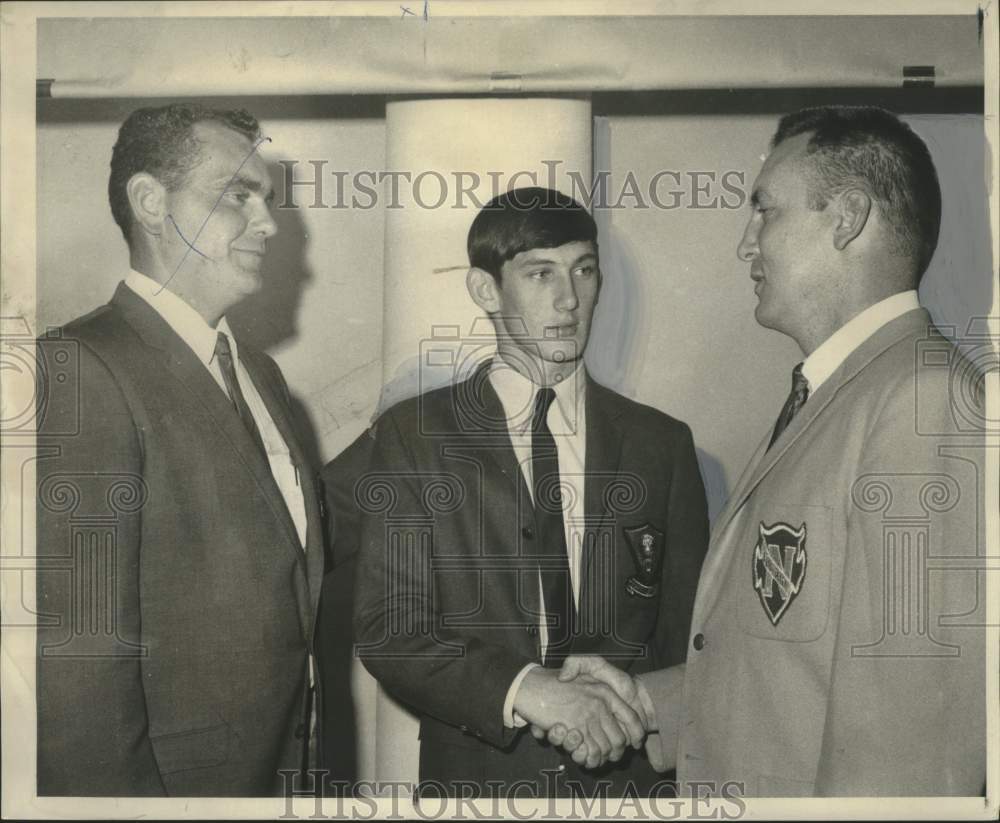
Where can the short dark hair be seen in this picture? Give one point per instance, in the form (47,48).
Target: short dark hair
(523,219)
(871,148)
(161,142)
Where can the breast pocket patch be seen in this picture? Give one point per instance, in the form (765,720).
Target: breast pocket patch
(779,567)
(784,573)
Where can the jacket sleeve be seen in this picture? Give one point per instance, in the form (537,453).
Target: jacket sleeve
(906,714)
(400,635)
(92,724)
(665,688)
(687,542)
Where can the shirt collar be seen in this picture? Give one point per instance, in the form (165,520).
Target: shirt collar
(826,359)
(181,317)
(517,395)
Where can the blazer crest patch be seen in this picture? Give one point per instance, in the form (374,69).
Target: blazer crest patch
(648,549)
(779,567)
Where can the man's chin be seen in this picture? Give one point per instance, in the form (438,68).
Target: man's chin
(763,316)
(251,281)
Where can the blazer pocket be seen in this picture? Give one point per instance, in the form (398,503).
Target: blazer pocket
(784,572)
(195,749)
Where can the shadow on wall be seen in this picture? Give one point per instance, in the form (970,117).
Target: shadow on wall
(334,633)
(269,319)
(613,356)
(713,474)
(958,285)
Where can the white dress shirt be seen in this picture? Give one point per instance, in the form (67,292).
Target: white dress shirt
(201,338)
(833,351)
(566,420)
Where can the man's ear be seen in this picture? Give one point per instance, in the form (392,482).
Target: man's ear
(148,199)
(853,209)
(483,289)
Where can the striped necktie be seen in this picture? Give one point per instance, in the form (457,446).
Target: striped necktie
(796,400)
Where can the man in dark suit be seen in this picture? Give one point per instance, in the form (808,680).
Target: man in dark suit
(178,524)
(836,647)
(521,514)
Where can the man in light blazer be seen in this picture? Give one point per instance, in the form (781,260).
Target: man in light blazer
(179,527)
(837,645)
(482,565)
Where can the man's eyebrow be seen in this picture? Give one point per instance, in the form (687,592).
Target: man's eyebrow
(537,261)
(243,182)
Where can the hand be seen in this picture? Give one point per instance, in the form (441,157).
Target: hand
(605,723)
(596,669)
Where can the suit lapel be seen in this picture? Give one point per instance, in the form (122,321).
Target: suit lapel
(481,416)
(481,433)
(184,365)
(279,410)
(603,456)
(764,459)
(856,361)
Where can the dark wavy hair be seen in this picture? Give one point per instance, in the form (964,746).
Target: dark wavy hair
(872,149)
(523,219)
(161,142)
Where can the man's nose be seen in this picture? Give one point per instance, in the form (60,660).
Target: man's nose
(747,248)
(263,223)
(567,299)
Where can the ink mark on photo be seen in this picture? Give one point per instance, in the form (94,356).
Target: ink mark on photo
(192,244)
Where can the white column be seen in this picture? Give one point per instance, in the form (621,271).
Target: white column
(457,153)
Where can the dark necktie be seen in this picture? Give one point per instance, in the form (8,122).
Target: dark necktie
(796,400)
(225,357)
(553,565)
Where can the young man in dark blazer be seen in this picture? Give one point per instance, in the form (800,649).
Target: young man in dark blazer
(178,525)
(521,514)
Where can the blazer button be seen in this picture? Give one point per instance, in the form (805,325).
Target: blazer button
(464,728)
(300,731)
(698,642)
(527,532)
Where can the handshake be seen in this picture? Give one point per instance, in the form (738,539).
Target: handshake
(588,707)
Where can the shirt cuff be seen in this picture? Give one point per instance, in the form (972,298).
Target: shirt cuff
(661,693)
(647,706)
(510,719)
